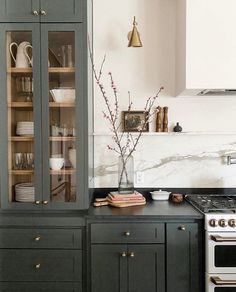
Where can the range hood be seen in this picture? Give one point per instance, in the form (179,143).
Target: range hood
(206,47)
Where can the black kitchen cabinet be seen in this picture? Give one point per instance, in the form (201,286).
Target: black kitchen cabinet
(133,268)
(42,10)
(183,242)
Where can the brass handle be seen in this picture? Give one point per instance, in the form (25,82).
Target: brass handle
(37,238)
(219,282)
(43,12)
(218,238)
(37,266)
(37,202)
(123,254)
(127,233)
(45,202)
(35,12)
(182,228)
(131,254)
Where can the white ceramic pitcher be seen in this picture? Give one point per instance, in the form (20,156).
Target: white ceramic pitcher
(22,59)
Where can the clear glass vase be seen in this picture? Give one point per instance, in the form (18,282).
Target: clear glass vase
(126,174)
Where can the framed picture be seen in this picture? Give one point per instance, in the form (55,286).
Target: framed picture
(134,121)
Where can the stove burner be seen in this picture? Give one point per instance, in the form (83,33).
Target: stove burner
(213,203)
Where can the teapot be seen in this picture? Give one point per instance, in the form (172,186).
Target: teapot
(22,59)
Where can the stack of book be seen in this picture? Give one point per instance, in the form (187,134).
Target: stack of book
(125,200)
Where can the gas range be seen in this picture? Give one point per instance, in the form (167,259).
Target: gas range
(220,235)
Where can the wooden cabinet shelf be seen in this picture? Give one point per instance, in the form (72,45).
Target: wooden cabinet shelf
(21,138)
(20,104)
(58,104)
(68,171)
(21,172)
(61,69)
(63,139)
(14,70)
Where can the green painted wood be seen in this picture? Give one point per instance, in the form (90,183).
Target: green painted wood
(117,233)
(61,11)
(81,131)
(108,268)
(183,266)
(40,287)
(19,11)
(34,29)
(41,238)
(55,265)
(146,269)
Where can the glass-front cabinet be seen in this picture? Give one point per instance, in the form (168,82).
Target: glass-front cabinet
(41,101)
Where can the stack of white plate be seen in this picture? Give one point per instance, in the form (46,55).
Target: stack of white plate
(25,128)
(25,192)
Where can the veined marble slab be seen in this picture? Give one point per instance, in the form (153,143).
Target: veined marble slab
(185,161)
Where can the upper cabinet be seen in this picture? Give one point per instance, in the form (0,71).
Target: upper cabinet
(42,10)
(206,46)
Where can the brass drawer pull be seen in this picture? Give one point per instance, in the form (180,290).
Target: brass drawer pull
(131,254)
(182,228)
(43,12)
(38,266)
(35,12)
(127,233)
(37,238)
(37,202)
(123,254)
(219,282)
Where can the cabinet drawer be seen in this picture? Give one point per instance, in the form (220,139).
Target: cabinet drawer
(41,238)
(127,233)
(40,265)
(40,287)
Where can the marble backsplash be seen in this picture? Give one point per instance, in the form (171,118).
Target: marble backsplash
(172,160)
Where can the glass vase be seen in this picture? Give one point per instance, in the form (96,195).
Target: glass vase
(126,174)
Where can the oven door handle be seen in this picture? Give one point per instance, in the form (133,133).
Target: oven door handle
(219,282)
(218,238)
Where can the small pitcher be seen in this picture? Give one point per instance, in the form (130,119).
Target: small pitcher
(21,60)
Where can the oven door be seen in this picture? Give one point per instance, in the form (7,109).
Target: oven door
(220,283)
(221,252)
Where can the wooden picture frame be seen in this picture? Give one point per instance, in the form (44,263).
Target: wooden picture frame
(133,121)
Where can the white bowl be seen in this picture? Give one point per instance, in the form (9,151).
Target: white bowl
(63,95)
(56,163)
(160,195)
(72,157)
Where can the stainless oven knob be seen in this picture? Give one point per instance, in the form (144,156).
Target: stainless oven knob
(223,223)
(232,223)
(213,223)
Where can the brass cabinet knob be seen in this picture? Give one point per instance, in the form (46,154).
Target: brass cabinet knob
(45,202)
(127,233)
(131,254)
(43,12)
(123,254)
(37,238)
(223,223)
(37,202)
(182,228)
(232,223)
(37,266)
(35,12)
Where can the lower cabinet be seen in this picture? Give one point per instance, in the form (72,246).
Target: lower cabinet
(40,287)
(133,268)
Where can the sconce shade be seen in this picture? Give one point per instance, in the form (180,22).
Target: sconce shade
(134,37)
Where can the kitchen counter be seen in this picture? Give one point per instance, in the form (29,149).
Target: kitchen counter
(153,209)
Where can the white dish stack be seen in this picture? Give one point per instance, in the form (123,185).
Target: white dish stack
(25,192)
(25,128)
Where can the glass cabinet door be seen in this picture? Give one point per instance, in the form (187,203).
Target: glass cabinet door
(20,117)
(62,125)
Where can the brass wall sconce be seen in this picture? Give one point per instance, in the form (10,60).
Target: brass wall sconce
(134,37)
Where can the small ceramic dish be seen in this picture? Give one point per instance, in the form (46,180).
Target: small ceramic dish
(160,195)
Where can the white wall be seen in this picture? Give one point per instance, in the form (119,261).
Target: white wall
(187,160)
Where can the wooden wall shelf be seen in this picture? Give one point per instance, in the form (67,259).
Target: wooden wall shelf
(61,70)
(63,171)
(58,104)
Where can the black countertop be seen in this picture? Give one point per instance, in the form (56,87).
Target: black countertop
(152,210)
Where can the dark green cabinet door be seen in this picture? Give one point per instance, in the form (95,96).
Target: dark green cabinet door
(19,11)
(183,257)
(40,287)
(146,268)
(61,10)
(109,268)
